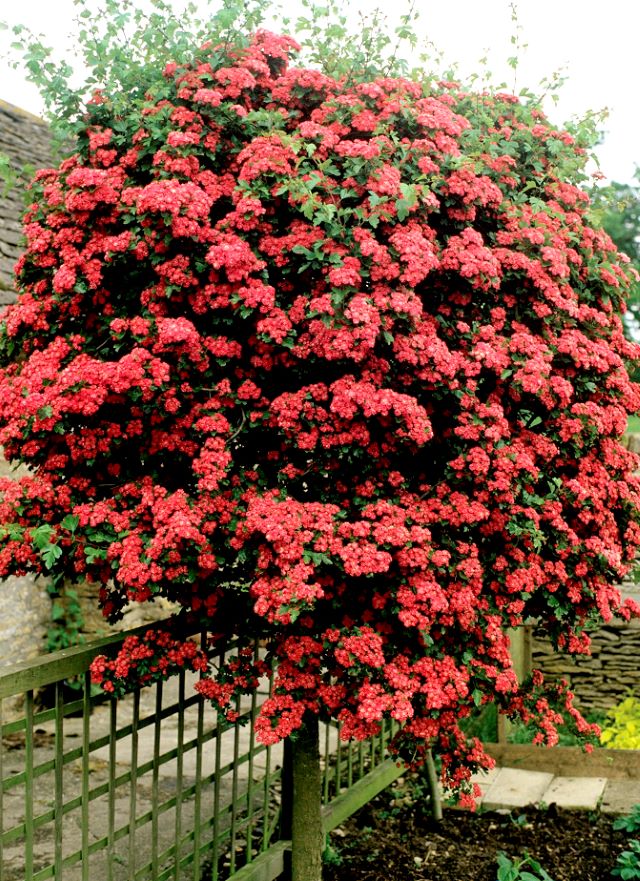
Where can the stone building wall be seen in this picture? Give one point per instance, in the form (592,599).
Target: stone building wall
(25,607)
(26,140)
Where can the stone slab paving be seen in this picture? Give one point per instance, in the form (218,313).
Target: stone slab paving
(620,796)
(484,779)
(575,792)
(515,788)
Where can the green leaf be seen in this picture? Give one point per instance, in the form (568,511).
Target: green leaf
(50,554)
(57,612)
(92,554)
(41,536)
(402,209)
(70,522)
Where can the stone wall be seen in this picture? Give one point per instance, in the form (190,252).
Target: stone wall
(94,625)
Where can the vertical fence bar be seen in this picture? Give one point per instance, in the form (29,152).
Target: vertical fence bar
(111,795)
(217,784)
(134,777)
(179,771)
(383,740)
(350,764)
(197,811)
(217,781)
(155,780)
(327,747)
(86,740)
(28,786)
(58,797)
(267,799)
(234,791)
(250,771)
(266,835)
(338,759)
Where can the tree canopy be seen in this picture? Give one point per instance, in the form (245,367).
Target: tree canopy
(335,362)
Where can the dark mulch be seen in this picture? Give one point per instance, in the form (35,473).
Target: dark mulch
(399,843)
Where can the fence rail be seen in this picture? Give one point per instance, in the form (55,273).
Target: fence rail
(152,787)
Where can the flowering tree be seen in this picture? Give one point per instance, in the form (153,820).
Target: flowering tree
(336,363)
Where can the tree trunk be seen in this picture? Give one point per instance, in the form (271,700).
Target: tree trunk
(306,821)
(434,789)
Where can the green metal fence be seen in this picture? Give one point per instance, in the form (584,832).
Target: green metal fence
(153,786)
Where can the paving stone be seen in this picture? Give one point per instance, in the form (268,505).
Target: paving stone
(515,788)
(620,796)
(575,792)
(485,779)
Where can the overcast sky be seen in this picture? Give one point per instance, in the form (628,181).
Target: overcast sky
(596,44)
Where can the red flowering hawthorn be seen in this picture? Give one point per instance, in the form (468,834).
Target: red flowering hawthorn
(334,364)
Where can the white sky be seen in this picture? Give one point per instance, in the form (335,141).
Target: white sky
(596,43)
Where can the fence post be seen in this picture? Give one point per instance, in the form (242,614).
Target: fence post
(521,657)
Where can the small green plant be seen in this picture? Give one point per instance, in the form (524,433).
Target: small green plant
(630,823)
(65,625)
(518,869)
(332,856)
(628,862)
(8,174)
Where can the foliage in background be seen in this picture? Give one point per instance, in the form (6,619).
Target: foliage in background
(332,358)
(617,208)
(622,725)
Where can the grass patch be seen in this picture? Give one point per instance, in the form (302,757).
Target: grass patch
(633,425)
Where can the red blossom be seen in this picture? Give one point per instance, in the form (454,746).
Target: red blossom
(339,365)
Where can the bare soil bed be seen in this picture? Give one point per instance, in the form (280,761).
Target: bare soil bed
(382,843)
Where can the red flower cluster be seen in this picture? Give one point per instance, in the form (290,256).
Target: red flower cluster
(155,656)
(339,365)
